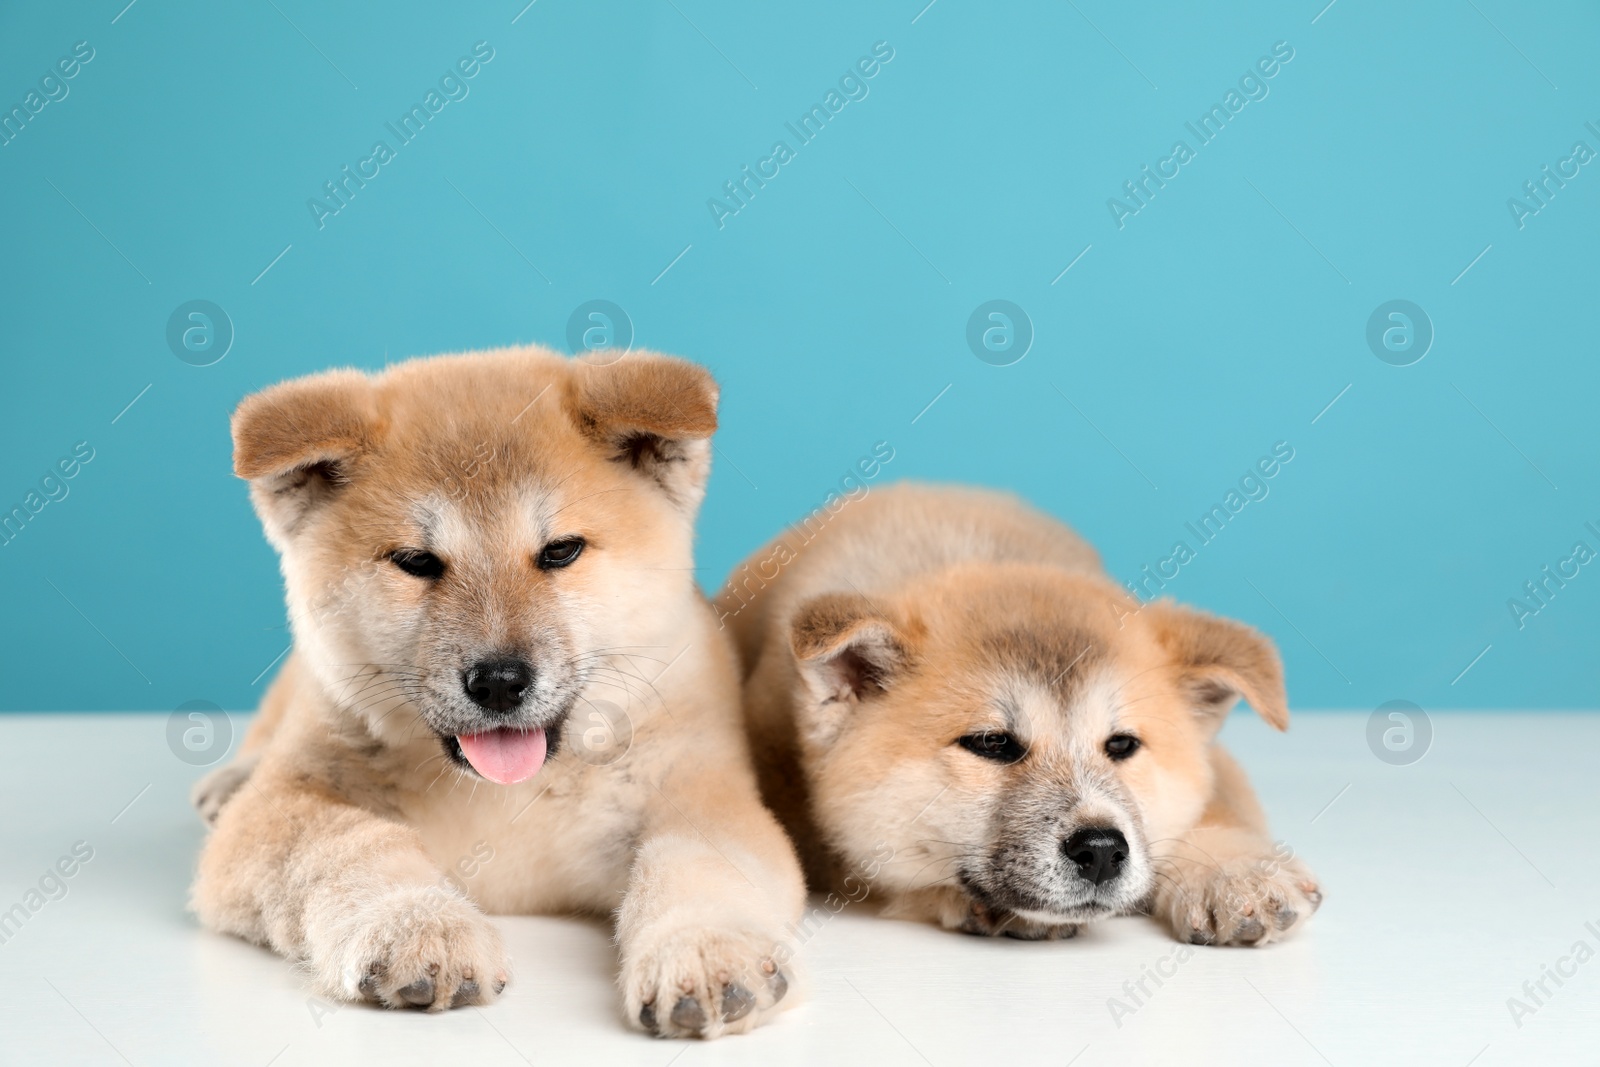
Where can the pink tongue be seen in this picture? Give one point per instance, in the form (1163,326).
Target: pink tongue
(504,756)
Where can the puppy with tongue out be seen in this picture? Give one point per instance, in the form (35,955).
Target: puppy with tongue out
(489,571)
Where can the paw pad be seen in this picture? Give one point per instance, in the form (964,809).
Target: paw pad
(418,994)
(368,986)
(737,1002)
(688,1014)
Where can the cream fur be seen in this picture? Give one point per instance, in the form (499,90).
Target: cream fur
(919,615)
(345,836)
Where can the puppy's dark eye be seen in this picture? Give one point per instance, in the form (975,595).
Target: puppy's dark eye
(417,563)
(994,745)
(1121,746)
(562,553)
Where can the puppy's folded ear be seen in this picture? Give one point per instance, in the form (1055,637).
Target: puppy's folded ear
(656,414)
(847,651)
(295,443)
(1218,661)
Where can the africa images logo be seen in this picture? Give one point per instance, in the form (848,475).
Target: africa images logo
(53,89)
(852,86)
(1252,86)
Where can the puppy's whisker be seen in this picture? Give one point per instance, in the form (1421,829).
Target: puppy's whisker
(371,684)
(918,873)
(614,648)
(625,681)
(965,845)
(949,880)
(373,694)
(444,766)
(629,657)
(1214,865)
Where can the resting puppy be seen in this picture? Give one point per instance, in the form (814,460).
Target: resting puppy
(953,708)
(503,670)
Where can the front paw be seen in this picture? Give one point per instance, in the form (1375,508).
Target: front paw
(416,947)
(1248,899)
(219,785)
(697,982)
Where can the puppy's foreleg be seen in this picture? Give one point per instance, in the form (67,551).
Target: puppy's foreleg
(704,927)
(218,786)
(348,893)
(1225,882)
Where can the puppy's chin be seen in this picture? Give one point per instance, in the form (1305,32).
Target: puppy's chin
(1027,906)
(1086,913)
(1031,904)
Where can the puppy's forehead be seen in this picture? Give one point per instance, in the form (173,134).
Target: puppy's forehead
(476,418)
(519,457)
(453,395)
(1088,708)
(1033,675)
(1059,659)
(482,455)
(464,484)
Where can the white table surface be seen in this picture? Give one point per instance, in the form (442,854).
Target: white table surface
(1450,882)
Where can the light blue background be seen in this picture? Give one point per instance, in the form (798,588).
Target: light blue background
(1223,318)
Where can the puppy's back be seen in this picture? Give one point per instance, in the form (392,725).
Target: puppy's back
(884,540)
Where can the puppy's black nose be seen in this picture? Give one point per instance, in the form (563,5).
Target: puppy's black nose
(497,684)
(1099,852)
